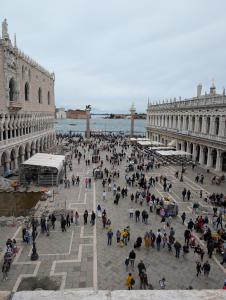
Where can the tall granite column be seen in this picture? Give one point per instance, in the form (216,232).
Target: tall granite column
(132,112)
(88,109)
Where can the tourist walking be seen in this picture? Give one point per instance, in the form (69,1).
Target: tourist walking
(198,268)
(177,247)
(109,236)
(132,257)
(130,281)
(206,269)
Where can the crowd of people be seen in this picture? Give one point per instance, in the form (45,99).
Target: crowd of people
(138,187)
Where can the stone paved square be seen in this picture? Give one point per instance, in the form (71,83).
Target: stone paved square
(81,258)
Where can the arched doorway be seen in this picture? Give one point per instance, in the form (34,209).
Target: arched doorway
(12,160)
(11,90)
(4,161)
(205,155)
(214,158)
(223,162)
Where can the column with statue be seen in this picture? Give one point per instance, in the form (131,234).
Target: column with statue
(88,110)
(132,114)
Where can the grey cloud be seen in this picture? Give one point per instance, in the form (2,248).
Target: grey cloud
(112,53)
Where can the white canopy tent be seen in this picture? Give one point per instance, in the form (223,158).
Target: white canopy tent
(173,153)
(43,168)
(149,143)
(162,148)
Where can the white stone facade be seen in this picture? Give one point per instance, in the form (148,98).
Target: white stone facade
(27,105)
(198,126)
(61,113)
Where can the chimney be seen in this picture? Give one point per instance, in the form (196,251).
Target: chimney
(199,90)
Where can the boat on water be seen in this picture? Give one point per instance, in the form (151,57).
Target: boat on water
(73,124)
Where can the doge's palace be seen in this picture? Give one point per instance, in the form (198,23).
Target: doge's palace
(196,125)
(27,105)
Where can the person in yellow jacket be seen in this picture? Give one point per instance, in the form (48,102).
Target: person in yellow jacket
(130,281)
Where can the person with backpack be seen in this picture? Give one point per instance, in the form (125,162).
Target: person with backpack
(132,257)
(130,282)
(198,268)
(141,267)
(127,263)
(143,280)
(206,269)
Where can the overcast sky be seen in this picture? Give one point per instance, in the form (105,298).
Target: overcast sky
(111,53)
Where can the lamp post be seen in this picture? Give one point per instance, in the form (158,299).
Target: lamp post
(34,254)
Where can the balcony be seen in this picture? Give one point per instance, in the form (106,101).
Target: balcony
(14,105)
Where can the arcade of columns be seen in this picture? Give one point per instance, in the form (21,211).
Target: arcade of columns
(23,135)
(201,133)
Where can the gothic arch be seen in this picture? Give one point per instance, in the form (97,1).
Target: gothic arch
(12,89)
(39,95)
(26,91)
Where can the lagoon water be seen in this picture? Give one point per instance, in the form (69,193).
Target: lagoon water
(99,124)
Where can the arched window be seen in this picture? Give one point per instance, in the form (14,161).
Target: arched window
(48,97)
(11,90)
(208,125)
(217,125)
(23,72)
(39,95)
(200,124)
(26,91)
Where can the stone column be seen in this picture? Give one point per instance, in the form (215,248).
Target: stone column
(182,145)
(16,162)
(219,161)
(222,126)
(194,154)
(22,157)
(209,158)
(188,147)
(184,123)
(212,123)
(132,113)
(190,123)
(196,123)
(201,156)
(170,123)
(203,129)
(88,109)
(7,166)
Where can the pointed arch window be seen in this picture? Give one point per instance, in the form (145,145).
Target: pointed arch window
(26,91)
